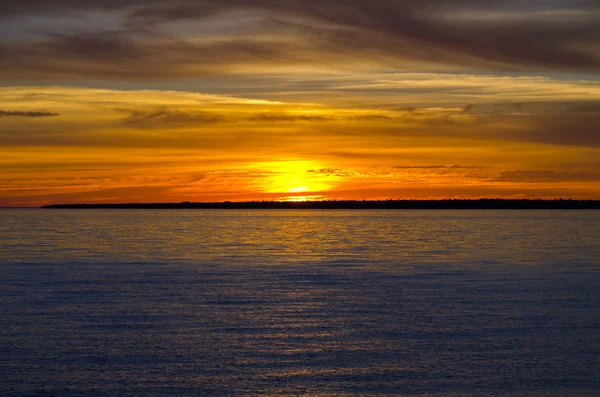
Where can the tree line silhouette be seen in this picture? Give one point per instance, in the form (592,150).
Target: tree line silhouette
(447,204)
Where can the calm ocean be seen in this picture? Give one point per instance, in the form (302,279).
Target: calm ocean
(274,303)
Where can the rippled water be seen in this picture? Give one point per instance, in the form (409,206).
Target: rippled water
(185,303)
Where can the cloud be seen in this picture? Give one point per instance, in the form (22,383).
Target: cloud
(546,176)
(169,117)
(339,172)
(404,173)
(401,27)
(371,117)
(340,116)
(477,89)
(151,42)
(593,107)
(407,109)
(282,117)
(580,127)
(95,117)
(439,167)
(468,108)
(121,55)
(27,113)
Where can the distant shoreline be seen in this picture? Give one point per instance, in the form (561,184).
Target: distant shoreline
(482,204)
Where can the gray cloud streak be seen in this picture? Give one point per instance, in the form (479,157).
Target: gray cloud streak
(546,176)
(27,113)
(164,117)
(438,167)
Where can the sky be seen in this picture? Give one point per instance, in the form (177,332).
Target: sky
(106,101)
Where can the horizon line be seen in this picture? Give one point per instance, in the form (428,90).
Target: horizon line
(481,203)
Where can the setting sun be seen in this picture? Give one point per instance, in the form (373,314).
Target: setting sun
(299,189)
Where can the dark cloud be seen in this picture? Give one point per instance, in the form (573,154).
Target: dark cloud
(560,124)
(399,33)
(282,117)
(433,170)
(468,108)
(121,55)
(439,167)
(169,117)
(339,172)
(546,176)
(325,171)
(406,109)
(27,113)
(580,127)
(593,107)
(41,7)
(371,117)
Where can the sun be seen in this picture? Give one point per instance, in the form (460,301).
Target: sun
(293,177)
(298,189)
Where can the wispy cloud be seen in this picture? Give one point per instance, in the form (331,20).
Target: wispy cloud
(169,117)
(27,113)
(282,117)
(439,167)
(546,176)
(154,42)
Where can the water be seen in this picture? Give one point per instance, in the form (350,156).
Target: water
(328,303)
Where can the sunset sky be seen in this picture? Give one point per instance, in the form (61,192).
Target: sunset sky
(212,100)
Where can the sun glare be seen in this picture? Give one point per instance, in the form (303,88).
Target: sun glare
(299,189)
(297,199)
(293,176)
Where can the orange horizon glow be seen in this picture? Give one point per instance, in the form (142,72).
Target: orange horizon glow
(112,146)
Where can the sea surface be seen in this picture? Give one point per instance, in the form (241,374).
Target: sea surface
(315,303)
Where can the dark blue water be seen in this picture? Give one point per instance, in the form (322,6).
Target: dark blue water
(328,303)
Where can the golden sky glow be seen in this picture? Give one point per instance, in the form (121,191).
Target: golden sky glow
(173,110)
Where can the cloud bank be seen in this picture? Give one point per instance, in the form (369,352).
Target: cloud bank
(157,40)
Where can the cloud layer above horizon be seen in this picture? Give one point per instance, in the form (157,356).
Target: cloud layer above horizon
(104,100)
(95,39)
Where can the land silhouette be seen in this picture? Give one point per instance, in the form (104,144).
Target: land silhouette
(448,204)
